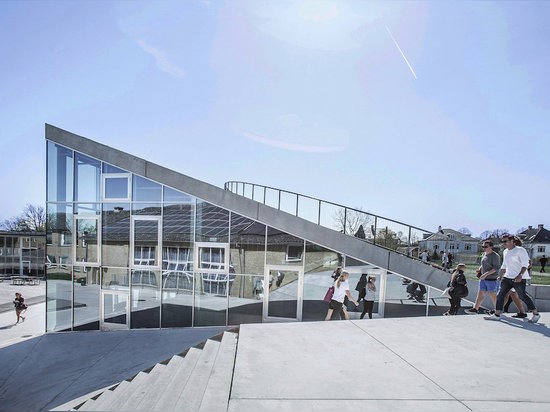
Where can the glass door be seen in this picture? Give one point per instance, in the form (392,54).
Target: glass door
(115,310)
(283,290)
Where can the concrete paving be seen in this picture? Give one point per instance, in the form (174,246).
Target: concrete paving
(457,363)
(49,370)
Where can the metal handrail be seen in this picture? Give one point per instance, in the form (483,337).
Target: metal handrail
(229,186)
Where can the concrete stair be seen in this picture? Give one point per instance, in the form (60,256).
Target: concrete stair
(198,380)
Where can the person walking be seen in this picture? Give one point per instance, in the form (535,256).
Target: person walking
(514,274)
(543,260)
(488,274)
(458,289)
(341,290)
(370,295)
(424,256)
(444,260)
(20,307)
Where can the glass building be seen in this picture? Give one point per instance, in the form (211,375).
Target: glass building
(22,253)
(131,245)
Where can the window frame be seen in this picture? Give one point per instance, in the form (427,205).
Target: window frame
(105,176)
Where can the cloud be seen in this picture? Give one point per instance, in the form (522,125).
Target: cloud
(297,147)
(162,62)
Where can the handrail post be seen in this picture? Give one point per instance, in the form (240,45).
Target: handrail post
(345,218)
(375,227)
(319,215)
(253,191)
(279,206)
(409,243)
(265,190)
(297,199)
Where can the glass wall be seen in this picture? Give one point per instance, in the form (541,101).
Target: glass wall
(87,287)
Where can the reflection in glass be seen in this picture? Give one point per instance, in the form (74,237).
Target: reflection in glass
(211,258)
(145,190)
(60,173)
(146,209)
(245,300)
(58,298)
(212,223)
(175,196)
(247,249)
(283,293)
(116,187)
(107,168)
(437,305)
(145,299)
(59,229)
(211,299)
(115,238)
(404,297)
(87,178)
(86,281)
(146,233)
(115,310)
(283,248)
(320,263)
(87,239)
(177,298)
(115,279)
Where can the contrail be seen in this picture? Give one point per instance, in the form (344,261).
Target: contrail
(401,51)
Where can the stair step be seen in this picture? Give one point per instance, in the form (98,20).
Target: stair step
(191,396)
(132,402)
(106,397)
(153,391)
(89,405)
(126,392)
(216,395)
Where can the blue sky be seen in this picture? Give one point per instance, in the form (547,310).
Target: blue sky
(313,97)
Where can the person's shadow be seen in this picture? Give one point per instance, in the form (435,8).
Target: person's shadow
(8,326)
(522,324)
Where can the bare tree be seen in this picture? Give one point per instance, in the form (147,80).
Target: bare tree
(33,218)
(493,233)
(351,220)
(465,231)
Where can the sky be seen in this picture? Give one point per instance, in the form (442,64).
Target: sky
(430,113)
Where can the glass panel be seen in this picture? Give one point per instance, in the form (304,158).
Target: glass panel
(308,209)
(437,305)
(245,300)
(146,209)
(115,308)
(60,173)
(177,298)
(115,238)
(212,258)
(145,190)
(87,208)
(87,240)
(288,203)
(86,282)
(115,279)
(248,190)
(145,299)
(332,216)
(392,235)
(282,248)
(116,187)
(272,198)
(87,178)
(175,196)
(283,293)
(320,264)
(107,168)
(247,249)
(146,234)
(259,194)
(58,298)
(59,230)
(404,297)
(211,299)
(212,223)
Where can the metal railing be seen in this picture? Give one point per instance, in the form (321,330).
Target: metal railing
(375,229)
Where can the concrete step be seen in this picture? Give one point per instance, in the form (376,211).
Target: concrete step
(170,394)
(191,396)
(155,388)
(106,397)
(216,395)
(126,392)
(139,394)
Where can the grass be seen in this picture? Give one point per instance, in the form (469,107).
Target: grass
(537,278)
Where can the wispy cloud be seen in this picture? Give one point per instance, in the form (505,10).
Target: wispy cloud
(401,51)
(162,62)
(297,147)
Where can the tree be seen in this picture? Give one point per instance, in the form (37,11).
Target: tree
(465,231)
(521,229)
(351,219)
(33,218)
(493,233)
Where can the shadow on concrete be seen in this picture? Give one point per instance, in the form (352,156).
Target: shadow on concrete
(58,367)
(522,324)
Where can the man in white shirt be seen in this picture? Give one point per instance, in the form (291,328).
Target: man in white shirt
(513,273)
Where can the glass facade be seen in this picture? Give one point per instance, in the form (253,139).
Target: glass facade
(124,251)
(22,254)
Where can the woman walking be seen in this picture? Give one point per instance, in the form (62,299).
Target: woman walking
(20,307)
(458,289)
(341,290)
(370,294)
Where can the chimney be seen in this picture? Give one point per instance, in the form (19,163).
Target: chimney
(541,226)
(529,227)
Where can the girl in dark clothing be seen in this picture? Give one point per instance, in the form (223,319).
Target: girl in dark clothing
(370,295)
(458,289)
(19,303)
